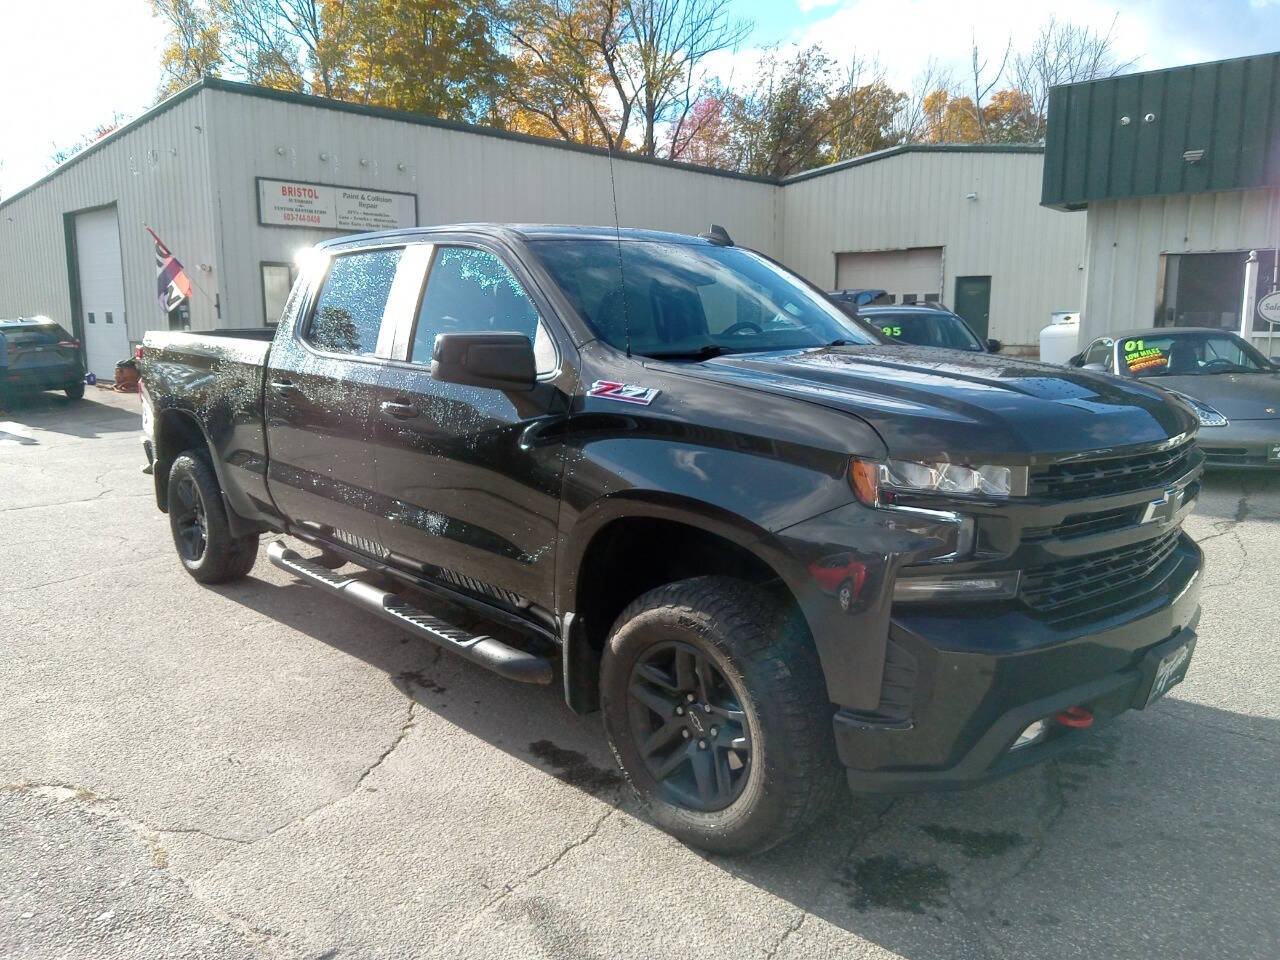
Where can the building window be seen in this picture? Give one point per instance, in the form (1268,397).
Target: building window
(277,281)
(91,320)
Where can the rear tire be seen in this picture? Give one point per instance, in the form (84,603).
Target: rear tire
(198,521)
(75,391)
(752,675)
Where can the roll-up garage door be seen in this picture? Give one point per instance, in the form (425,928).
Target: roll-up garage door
(106,338)
(913,274)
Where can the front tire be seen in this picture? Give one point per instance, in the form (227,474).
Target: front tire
(716,710)
(198,521)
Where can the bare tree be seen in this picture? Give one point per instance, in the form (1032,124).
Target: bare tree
(912,121)
(1064,53)
(294,44)
(983,80)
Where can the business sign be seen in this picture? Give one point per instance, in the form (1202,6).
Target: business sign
(1269,308)
(321,206)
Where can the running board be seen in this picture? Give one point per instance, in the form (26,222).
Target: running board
(501,658)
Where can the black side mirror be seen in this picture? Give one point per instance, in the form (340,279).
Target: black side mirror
(501,361)
(1076,361)
(994,345)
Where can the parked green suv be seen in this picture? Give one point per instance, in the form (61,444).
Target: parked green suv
(38,354)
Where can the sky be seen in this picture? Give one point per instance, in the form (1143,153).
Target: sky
(68,65)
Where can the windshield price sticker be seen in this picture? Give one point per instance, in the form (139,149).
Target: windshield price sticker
(1138,356)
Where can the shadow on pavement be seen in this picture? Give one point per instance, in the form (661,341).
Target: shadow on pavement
(1154,832)
(92,417)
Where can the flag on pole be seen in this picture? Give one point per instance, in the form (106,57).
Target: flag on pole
(172,283)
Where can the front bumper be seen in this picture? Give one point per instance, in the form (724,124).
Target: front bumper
(976,676)
(1242,445)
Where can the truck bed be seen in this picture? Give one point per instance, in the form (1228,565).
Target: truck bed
(216,379)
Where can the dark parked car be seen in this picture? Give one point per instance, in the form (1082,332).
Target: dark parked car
(37,354)
(926,325)
(1233,388)
(764,544)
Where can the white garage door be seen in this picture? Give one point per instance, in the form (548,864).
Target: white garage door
(106,339)
(914,274)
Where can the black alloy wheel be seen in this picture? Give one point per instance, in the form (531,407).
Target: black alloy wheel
(689,727)
(190,524)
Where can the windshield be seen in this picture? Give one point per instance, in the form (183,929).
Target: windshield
(1189,354)
(690,300)
(936,329)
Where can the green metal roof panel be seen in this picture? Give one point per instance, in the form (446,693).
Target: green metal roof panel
(1212,126)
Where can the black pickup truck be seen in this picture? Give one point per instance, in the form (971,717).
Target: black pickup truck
(763,544)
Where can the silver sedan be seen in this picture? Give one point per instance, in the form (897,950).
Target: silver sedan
(1234,388)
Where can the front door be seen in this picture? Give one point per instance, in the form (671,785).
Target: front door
(473,474)
(973,302)
(106,338)
(320,393)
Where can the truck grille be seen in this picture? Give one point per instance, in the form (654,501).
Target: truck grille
(1110,475)
(1104,578)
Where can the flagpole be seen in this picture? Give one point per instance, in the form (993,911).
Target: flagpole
(169,253)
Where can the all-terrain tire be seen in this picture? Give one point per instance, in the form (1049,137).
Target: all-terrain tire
(765,655)
(198,520)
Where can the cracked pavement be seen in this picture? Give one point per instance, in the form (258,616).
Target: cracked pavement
(260,771)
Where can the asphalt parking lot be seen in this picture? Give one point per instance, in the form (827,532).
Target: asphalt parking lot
(256,770)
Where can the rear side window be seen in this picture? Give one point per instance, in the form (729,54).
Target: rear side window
(348,311)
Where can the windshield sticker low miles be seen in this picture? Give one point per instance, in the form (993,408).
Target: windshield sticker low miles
(1138,356)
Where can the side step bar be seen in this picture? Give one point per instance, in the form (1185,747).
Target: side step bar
(487,652)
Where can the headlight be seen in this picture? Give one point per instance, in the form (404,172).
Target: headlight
(1207,416)
(869,478)
(999,586)
(956,586)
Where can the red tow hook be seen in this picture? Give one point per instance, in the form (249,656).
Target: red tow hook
(1076,717)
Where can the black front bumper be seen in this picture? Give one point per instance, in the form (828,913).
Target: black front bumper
(978,677)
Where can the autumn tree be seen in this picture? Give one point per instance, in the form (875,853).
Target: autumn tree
(864,112)
(434,57)
(194,47)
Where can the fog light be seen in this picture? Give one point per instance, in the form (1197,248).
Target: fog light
(1034,733)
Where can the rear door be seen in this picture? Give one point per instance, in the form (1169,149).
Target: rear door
(473,474)
(321,390)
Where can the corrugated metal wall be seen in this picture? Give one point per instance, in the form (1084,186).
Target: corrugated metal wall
(1127,237)
(458,176)
(156,174)
(918,199)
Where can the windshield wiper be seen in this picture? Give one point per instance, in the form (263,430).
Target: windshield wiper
(704,352)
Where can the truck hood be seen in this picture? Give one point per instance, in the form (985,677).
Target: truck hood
(927,403)
(1237,396)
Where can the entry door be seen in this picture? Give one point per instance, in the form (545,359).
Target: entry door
(473,473)
(973,302)
(106,338)
(320,393)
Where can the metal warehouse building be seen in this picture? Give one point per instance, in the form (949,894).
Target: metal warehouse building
(1179,171)
(237,179)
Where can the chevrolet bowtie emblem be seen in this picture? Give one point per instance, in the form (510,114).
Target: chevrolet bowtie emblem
(1162,510)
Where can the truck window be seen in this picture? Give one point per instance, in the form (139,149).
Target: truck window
(348,311)
(471,291)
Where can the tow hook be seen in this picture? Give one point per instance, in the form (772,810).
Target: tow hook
(1077,718)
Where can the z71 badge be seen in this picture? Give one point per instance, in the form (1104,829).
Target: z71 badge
(626,392)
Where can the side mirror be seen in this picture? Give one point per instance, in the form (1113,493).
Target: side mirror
(501,361)
(993,345)
(1076,361)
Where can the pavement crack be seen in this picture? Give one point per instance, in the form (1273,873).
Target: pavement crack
(772,951)
(563,852)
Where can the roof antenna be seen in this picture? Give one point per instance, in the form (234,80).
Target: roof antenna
(717,235)
(617,234)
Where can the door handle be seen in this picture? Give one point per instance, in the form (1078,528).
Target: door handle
(282,386)
(399,410)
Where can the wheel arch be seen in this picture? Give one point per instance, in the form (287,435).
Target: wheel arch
(631,543)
